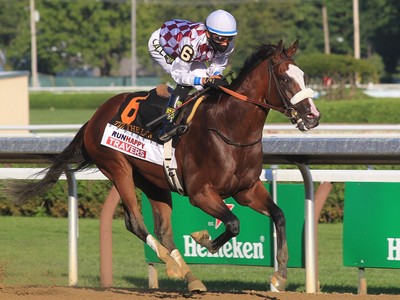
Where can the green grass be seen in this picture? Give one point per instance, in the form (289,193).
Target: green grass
(59,116)
(34,251)
(68,100)
(67,108)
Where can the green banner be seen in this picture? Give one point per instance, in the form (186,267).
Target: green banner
(253,246)
(371,226)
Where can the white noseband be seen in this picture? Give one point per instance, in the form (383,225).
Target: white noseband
(301,95)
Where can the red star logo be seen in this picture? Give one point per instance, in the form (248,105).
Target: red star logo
(219,222)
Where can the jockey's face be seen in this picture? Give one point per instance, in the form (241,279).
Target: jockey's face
(221,40)
(218,42)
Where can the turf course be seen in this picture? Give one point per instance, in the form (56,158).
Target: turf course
(34,251)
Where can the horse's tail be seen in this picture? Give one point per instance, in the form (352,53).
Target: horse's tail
(73,154)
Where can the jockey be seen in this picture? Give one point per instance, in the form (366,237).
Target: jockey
(182,48)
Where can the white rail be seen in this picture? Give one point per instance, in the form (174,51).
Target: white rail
(339,127)
(334,175)
(34,173)
(50,127)
(90,89)
(282,175)
(280,127)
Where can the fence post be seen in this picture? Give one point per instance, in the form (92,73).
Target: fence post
(320,197)
(106,218)
(72,228)
(362,282)
(275,198)
(311,276)
(153,276)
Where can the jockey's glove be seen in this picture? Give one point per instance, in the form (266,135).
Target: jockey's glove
(215,82)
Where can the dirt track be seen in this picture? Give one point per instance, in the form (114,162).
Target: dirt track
(67,293)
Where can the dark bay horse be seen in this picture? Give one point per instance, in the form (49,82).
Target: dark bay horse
(220,156)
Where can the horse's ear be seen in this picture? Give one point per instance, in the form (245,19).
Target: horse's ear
(278,49)
(293,49)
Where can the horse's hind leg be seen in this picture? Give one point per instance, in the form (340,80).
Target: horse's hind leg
(123,181)
(260,200)
(161,203)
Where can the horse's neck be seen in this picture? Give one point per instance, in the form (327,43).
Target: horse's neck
(253,115)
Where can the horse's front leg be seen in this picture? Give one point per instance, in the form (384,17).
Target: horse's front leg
(260,200)
(212,204)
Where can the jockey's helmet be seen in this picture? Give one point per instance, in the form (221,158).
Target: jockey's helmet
(221,26)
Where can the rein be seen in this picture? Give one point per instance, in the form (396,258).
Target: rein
(284,110)
(247,99)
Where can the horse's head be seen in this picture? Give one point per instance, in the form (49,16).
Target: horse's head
(287,80)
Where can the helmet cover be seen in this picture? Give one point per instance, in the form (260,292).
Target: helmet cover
(222,23)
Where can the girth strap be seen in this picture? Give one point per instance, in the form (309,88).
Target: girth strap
(170,173)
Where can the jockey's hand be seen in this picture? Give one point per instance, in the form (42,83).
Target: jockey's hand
(215,82)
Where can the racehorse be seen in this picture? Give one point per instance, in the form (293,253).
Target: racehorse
(219,156)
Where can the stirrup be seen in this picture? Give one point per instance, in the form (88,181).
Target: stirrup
(170,132)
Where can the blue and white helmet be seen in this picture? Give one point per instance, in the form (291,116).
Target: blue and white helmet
(222,23)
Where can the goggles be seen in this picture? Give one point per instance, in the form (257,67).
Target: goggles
(221,39)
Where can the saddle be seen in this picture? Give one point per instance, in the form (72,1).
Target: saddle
(143,112)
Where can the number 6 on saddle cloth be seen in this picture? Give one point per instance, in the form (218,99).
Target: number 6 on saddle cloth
(143,112)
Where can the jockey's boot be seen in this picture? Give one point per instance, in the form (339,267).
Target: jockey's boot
(169,129)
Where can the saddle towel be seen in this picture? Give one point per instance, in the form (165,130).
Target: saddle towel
(135,145)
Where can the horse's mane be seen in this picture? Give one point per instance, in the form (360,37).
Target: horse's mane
(262,53)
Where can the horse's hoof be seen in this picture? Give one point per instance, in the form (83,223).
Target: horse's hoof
(173,271)
(278,282)
(197,286)
(201,237)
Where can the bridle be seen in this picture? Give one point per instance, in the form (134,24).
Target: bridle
(288,104)
(287,108)
(272,75)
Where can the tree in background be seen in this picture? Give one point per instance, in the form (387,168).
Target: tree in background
(84,33)
(340,17)
(79,34)
(12,14)
(73,34)
(381,32)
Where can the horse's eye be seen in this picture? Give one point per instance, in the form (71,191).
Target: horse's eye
(284,79)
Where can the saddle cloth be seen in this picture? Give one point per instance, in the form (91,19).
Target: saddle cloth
(127,132)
